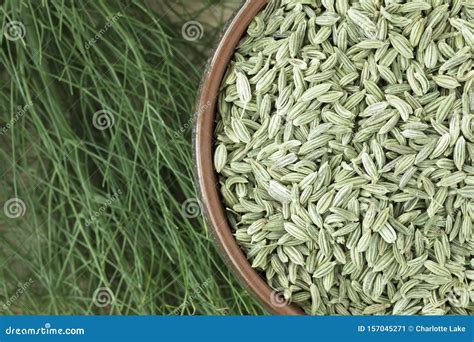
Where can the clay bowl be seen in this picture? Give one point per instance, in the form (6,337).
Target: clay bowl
(211,201)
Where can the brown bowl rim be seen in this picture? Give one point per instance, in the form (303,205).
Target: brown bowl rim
(209,192)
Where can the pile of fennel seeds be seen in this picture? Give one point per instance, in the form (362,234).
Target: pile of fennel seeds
(345,148)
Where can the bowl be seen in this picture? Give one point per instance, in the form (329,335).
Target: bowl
(208,185)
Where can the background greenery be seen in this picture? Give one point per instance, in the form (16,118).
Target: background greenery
(104,208)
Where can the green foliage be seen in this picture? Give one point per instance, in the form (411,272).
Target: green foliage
(104,206)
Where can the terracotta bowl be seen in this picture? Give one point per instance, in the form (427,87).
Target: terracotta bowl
(206,176)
